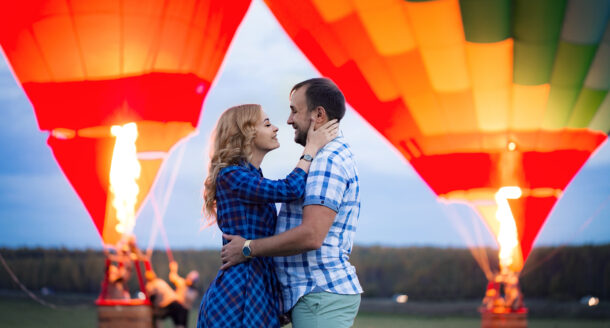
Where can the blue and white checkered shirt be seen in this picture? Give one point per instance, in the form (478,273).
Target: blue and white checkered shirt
(332,182)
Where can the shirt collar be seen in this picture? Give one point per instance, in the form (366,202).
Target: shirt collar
(251,167)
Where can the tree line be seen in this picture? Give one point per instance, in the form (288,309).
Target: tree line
(424,273)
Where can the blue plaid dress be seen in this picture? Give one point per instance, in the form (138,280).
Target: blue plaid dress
(248,294)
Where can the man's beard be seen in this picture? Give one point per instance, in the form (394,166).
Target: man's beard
(301,138)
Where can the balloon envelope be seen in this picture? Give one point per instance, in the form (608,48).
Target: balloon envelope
(87,65)
(477,95)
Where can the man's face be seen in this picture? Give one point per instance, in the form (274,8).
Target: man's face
(299,116)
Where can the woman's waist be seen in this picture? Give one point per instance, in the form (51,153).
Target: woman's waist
(258,266)
(247,232)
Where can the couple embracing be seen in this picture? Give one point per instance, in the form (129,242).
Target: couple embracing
(294,264)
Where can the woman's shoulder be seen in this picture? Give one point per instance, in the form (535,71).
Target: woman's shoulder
(230,168)
(233,171)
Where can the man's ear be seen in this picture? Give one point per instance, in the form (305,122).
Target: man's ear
(320,114)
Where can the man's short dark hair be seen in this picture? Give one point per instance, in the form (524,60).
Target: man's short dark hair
(323,92)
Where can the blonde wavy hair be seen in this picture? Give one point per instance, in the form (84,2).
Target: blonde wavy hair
(232,145)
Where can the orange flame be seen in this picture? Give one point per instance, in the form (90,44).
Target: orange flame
(507,234)
(124,173)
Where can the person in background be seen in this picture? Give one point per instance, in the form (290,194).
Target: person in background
(116,288)
(186,293)
(118,273)
(164,301)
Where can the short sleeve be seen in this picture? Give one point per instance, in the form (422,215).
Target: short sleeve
(326,182)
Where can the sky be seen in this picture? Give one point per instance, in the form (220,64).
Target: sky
(38,207)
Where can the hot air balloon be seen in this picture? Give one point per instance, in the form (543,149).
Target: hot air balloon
(495,103)
(143,67)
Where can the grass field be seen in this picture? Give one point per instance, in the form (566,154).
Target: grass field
(20,312)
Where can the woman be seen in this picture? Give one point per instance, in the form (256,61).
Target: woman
(243,203)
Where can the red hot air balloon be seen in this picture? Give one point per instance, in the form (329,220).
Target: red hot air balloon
(477,95)
(89,65)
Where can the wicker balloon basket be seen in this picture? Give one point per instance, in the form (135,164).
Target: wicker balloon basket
(504,320)
(128,314)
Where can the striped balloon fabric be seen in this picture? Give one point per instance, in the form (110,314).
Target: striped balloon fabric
(476,94)
(87,65)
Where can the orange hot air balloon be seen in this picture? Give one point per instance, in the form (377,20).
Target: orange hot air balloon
(477,95)
(87,65)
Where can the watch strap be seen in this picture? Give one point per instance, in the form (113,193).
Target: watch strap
(247,246)
(306,157)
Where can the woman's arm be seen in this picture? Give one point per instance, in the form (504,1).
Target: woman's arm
(251,187)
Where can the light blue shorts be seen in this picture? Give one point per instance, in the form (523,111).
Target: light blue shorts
(322,310)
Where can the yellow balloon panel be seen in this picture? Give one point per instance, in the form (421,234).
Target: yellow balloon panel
(490,64)
(427,112)
(492,109)
(387,26)
(458,108)
(437,26)
(436,23)
(528,106)
(446,67)
(410,74)
(490,67)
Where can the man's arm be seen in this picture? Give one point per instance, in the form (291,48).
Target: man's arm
(310,235)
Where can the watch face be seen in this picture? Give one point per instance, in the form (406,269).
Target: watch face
(246,251)
(307,157)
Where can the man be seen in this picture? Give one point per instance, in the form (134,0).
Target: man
(116,288)
(164,301)
(185,292)
(314,235)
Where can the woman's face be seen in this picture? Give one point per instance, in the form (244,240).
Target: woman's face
(266,134)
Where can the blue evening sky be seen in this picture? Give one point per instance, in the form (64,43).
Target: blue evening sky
(38,207)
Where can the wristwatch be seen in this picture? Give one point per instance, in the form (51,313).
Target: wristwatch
(306,157)
(246,249)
